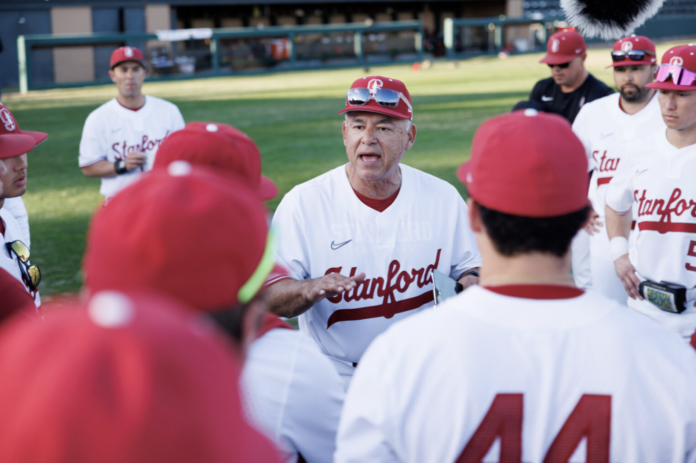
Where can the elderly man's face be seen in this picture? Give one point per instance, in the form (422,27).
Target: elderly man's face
(14,178)
(375,143)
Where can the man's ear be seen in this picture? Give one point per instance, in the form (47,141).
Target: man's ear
(111,75)
(475,222)
(411,136)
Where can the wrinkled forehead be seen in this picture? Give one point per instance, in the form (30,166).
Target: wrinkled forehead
(364,116)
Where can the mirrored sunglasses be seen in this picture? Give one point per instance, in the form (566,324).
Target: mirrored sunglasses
(631,55)
(679,75)
(384,97)
(30,273)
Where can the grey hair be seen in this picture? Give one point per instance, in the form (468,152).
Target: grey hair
(407,122)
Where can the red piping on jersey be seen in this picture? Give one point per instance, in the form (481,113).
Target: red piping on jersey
(665,227)
(544,292)
(383,310)
(271,322)
(132,109)
(2,228)
(603,180)
(380,205)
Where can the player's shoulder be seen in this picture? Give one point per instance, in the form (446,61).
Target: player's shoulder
(318,187)
(428,184)
(160,103)
(599,106)
(104,110)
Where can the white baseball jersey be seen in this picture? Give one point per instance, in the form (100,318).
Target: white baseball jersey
(659,185)
(325,228)
(493,375)
(112,131)
(8,260)
(606,130)
(293,394)
(16,207)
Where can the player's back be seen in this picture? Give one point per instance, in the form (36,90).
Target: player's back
(509,378)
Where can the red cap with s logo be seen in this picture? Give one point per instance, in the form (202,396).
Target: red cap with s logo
(13,140)
(401,101)
(563,47)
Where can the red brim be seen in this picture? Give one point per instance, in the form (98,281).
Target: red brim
(631,63)
(16,145)
(376,109)
(267,189)
(671,86)
(39,137)
(142,63)
(557,59)
(463,171)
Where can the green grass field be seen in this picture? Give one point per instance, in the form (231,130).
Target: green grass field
(291,116)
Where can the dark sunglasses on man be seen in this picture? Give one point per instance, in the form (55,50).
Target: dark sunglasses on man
(631,55)
(562,65)
(30,273)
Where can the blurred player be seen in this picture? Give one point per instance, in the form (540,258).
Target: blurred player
(131,377)
(570,85)
(606,127)
(294,393)
(360,241)
(659,273)
(121,137)
(14,146)
(525,367)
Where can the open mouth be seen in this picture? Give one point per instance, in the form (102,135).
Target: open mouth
(369,158)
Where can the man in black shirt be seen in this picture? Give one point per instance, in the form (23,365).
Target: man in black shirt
(570,85)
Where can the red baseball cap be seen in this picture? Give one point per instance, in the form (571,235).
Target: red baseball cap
(184,231)
(124,378)
(563,47)
(683,56)
(13,141)
(635,42)
(527,163)
(127,54)
(221,147)
(374,83)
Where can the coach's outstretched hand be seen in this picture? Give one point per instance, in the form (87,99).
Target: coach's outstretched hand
(291,298)
(331,285)
(627,274)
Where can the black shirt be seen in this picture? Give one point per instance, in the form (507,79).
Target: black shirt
(568,105)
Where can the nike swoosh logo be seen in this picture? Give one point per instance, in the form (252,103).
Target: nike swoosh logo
(335,246)
(605,135)
(546,98)
(641,171)
(115,130)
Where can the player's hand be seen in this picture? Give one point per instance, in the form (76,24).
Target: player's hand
(593,225)
(627,274)
(135,160)
(468,280)
(331,285)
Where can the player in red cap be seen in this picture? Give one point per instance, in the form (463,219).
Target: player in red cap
(15,143)
(657,190)
(130,377)
(121,137)
(570,85)
(605,126)
(525,367)
(221,147)
(295,393)
(361,241)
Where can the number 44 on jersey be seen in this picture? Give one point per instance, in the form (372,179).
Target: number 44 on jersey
(590,419)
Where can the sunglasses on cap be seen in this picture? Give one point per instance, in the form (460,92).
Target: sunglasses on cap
(631,55)
(680,76)
(30,273)
(562,65)
(384,97)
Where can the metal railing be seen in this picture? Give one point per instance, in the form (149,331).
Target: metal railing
(355,38)
(490,36)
